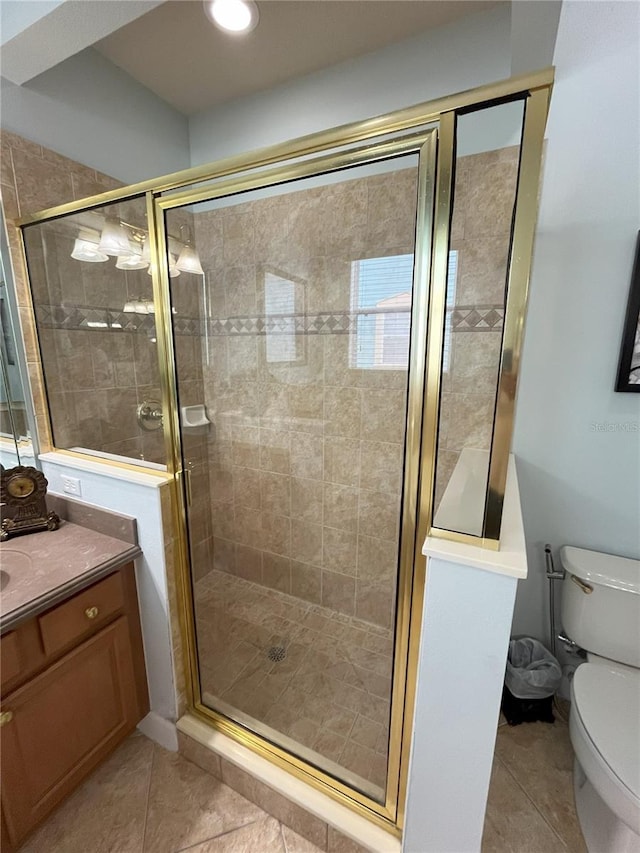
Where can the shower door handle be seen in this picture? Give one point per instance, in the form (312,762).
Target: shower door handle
(185,477)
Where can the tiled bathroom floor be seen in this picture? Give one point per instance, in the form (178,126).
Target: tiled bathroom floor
(147,800)
(329,694)
(531,806)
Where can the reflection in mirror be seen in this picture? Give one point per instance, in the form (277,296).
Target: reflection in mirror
(284,297)
(16,420)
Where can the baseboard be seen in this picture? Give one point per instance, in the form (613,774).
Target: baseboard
(162,731)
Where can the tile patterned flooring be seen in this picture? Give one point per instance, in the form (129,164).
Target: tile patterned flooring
(147,800)
(144,799)
(531,807)
(328,696)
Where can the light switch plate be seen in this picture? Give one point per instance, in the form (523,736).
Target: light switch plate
(71,485)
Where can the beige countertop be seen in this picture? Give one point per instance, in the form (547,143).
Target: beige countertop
(41,569)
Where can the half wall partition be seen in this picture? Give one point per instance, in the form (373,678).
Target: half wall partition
(335,376)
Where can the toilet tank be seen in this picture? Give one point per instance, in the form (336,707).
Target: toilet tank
(605,620)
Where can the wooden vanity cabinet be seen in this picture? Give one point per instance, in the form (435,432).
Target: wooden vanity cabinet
(74,688)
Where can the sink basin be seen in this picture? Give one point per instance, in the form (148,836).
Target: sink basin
(12,563)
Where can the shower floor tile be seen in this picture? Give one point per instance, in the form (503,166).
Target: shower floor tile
(316,681)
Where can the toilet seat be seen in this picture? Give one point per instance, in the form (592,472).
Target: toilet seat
(605,732)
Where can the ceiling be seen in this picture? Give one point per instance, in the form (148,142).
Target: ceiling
(177,53)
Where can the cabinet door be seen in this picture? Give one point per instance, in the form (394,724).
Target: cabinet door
(63,723)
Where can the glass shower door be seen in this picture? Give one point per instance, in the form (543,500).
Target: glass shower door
(292,357)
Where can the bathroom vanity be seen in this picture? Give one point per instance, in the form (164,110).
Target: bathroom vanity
(72,677)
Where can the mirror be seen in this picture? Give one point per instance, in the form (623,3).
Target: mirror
(16,413)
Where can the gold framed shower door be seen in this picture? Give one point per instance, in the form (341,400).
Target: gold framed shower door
(423,144)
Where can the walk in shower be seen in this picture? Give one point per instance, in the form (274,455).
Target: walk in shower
(320,342)
(296,484)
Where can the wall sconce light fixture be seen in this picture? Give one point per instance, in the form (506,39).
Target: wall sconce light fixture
(130,245)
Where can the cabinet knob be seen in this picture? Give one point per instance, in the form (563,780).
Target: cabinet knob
(6,717)
(91,612)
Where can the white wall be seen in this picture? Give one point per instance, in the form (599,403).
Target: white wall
(534,27)
(580,485)
(36,36)
(460,676)
(93,112)
(468,53)
(138,495)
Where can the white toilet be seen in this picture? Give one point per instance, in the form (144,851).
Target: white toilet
(601,613)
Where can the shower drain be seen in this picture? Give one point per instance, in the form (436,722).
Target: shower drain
(277,653)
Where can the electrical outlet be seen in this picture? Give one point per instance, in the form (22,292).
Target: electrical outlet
(71,485)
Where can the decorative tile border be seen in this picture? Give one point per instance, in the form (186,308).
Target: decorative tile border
(286,324)
(477,318)
(464,318)
(91,318)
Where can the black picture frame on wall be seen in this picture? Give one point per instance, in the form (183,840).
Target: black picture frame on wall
(629,365)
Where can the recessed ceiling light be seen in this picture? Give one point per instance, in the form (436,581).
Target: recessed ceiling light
(232,16)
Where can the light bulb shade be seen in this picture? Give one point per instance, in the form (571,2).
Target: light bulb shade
(189,261)
(114,240)
(174,272)
(132,261)
(84,250)
(146,251)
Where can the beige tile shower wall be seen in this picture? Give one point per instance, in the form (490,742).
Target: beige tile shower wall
(99,379)
(483,206)
(33,178)
(306,457)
